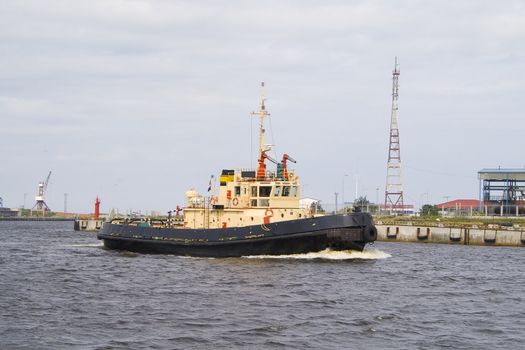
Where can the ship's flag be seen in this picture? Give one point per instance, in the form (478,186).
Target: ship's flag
(209,185)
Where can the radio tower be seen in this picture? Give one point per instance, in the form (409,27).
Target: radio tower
(394,183)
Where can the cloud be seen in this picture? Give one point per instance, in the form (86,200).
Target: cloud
(161,91)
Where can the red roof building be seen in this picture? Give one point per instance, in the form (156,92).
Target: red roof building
(459,204)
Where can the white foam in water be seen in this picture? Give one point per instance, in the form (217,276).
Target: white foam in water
(328,254)
(100,244)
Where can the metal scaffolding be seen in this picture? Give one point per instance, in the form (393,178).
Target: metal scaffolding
(394,183)
(503,189)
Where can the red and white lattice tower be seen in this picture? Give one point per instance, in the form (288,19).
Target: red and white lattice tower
(394,183)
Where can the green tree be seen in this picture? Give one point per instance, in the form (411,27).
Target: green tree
(316,207)
(361,203)
(429,210)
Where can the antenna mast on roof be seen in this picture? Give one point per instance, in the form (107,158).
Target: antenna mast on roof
(394,183)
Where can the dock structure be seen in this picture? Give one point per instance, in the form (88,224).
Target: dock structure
(493,235)
(91,225)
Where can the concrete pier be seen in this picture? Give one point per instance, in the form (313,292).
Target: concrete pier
(452,235)
(88,224)
(35,218)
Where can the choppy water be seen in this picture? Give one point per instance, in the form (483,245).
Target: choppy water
(59,289)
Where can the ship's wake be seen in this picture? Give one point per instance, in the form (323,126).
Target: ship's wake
(328,254)
(86,245)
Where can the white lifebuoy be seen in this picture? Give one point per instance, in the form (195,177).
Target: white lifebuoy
(235,202)
(213,200)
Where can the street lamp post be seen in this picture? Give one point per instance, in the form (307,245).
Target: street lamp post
(303,190)
(422,203)
(343,191)
(377,200)
(336,202)
(356,185)
(443,206)
(421,199)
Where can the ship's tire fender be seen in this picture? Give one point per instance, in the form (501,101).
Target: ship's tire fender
(369,233)
(268,212)
(235,202)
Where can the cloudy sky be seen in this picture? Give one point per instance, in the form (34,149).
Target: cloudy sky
(138,101)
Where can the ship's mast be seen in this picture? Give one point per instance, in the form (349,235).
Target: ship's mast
(261,114)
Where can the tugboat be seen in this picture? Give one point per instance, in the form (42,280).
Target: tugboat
(256,212)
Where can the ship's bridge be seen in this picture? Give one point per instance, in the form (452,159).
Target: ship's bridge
(242,189)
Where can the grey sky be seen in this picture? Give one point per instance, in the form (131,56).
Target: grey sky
(138,101)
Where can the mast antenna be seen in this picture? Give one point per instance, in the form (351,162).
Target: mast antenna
(262,113)
(394,182)
(263,148)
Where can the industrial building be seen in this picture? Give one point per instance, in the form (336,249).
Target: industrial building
(7,212)
(502,191)
(459,207)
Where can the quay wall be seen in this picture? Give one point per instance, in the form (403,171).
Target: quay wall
(451,235)
(35,219)
(91,225)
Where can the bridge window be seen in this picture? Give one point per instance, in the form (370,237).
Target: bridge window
(286,191)
(237,190)
(294,191)
(277,191)
(264,202)
(264,191)
(254,191)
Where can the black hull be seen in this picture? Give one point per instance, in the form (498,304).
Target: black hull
(338,232)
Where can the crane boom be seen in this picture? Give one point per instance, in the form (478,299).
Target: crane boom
(39,198)
(47,181)
(265,156)
(286,158)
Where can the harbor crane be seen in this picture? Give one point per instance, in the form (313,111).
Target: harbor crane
(40,197)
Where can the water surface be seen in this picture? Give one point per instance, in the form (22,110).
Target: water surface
(59,289)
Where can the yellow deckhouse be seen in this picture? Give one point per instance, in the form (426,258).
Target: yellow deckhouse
(249,197)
